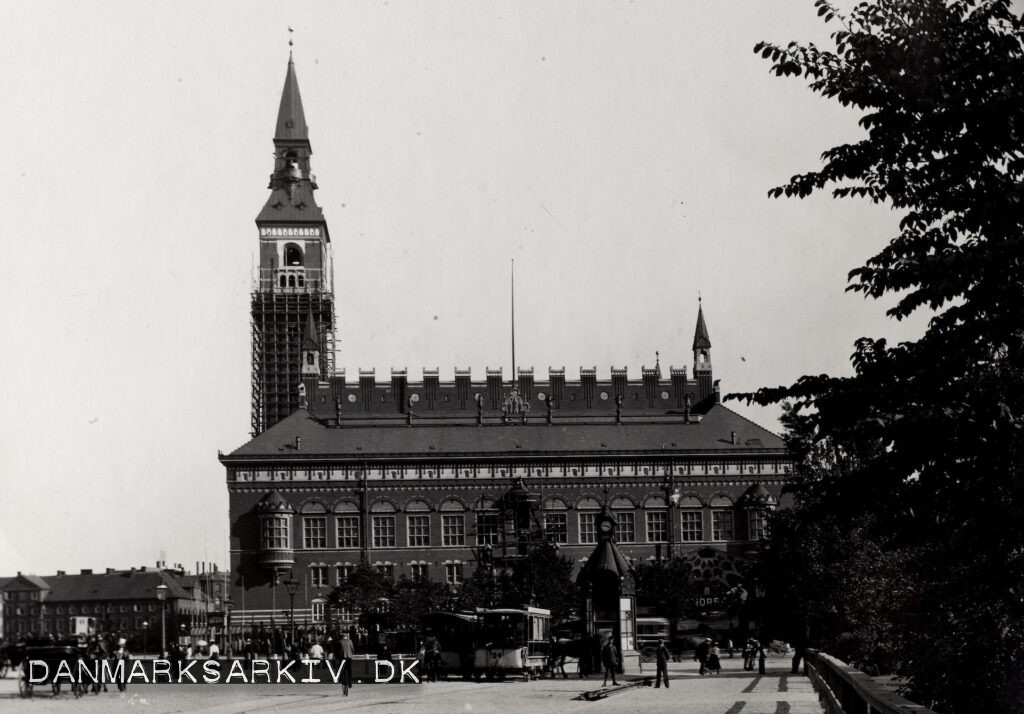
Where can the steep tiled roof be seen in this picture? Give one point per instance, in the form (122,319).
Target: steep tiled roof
(21,581)
(712,433)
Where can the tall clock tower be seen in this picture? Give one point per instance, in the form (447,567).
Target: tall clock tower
(293,296)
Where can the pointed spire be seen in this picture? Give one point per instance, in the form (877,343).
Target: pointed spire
(310,342)
(701,341)
(291,120)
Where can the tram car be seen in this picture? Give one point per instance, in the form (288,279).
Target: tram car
(456,633)
(512,642)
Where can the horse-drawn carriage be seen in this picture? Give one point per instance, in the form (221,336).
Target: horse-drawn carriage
(48,666)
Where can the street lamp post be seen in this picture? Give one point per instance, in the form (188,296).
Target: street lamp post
(292,586)
(161,595)
(228,604)
(145,637)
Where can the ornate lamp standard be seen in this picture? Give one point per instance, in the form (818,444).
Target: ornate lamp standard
(292,586)
(161,595)
(145,637)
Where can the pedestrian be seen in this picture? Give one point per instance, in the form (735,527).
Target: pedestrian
(121,652)
(748,655)
(316,653)
(714,664)
(661,657)
(347,651)
(213,652)
(761,657)
(728,646)
(701,655)
(435,659)
(610,661)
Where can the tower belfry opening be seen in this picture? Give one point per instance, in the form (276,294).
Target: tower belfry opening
(295,275)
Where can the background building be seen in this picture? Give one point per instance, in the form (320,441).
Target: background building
(432,478)
(121,601)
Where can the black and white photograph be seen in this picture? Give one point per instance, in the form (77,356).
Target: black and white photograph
(508,356)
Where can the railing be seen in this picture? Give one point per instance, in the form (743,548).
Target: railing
(843,689)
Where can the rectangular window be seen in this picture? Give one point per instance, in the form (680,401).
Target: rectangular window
(588,527)
(383,531)
(318,576)
(344,571)
(418,571)
(693,526)
(418,531)
(756,524)
(657,527)
(487,529)
(314,532)
(556,527)
(317,611)
(625,532)
(453,573)
(348,531)
(275,533)
(721,525)
(453,530)
(387,571)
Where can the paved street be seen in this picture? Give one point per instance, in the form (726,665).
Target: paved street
(732,692)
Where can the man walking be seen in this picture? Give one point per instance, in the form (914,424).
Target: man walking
(701,655)
(661,656)
(347,653)
(610,660)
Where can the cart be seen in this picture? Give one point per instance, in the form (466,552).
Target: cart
(53,656)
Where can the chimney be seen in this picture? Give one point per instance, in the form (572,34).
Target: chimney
(494,387)
(588,378)
(678,386)
(86,571)
(462,386)
(110,571)
(431,385)
(399,384)
(367,380)
(650,385)
(557,379)
(619,380)
(733,439)
(337,381)
(60,573)
(526,383)
(298,443)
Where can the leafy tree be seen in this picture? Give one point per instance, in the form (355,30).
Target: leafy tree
(480,590)
(667,586)
(543,577)
(366,591)
(916,459)
(414,598)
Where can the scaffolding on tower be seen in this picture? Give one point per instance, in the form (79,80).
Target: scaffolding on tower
(277,320)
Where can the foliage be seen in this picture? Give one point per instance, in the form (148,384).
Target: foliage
(365,591)
(414,598)
(544,578)
(666,585)
(911,478)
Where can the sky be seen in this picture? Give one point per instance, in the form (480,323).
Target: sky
(620,152)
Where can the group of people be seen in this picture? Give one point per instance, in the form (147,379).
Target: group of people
(707,654)
(752,650)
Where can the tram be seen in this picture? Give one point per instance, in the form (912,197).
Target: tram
(456,633)
(512,642)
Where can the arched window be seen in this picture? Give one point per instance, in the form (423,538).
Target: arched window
(625,520)
(283,282)
(292,255)
(291,281)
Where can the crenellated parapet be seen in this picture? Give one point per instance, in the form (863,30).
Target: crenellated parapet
(591,393)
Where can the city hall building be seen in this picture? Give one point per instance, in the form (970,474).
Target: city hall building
(422,477)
